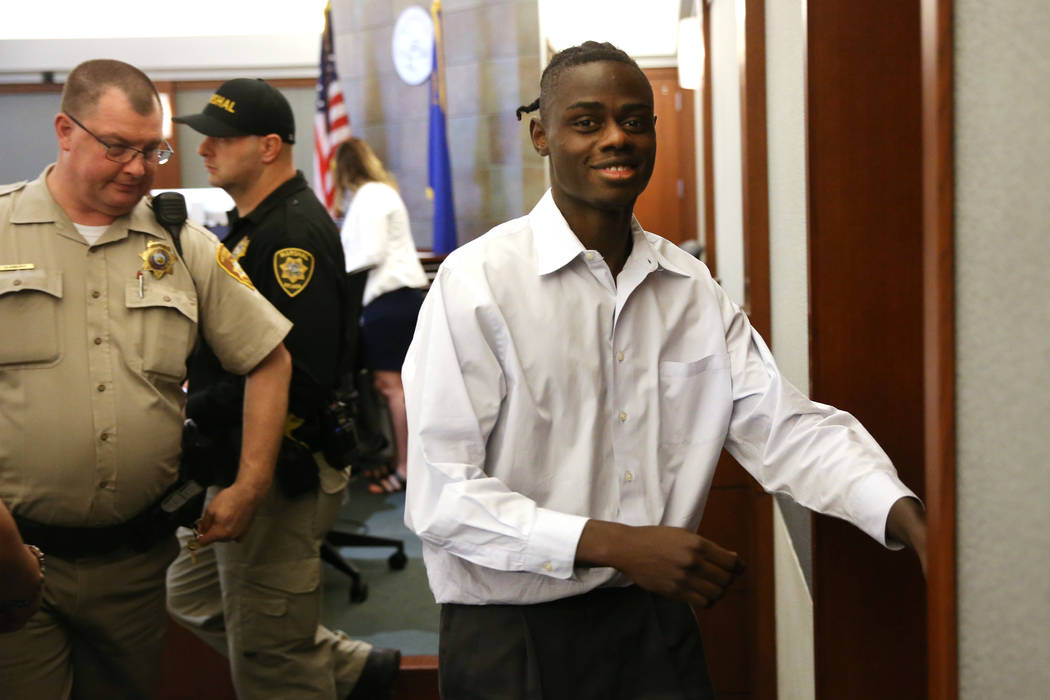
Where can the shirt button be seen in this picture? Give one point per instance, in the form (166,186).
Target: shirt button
(623,417)
(105,485)
(96,294)
(103,437)
(98,341)
(548,567)
(619,357)
(167,298)
(16,283)
(101,387)
(628,476)
(589,256)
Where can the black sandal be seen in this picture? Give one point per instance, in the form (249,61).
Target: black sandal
(391,483)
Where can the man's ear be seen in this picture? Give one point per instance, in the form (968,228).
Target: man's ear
(539,137)
(64,127)
(271,148)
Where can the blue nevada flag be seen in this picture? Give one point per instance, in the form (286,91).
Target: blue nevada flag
(439,171)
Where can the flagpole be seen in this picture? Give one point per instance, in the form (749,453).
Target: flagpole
(439,168)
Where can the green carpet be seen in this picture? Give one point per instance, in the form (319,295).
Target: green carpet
(400,611)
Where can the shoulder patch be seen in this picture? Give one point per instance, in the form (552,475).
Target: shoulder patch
(240,249)
(233,268)
(293,267)
(13,187)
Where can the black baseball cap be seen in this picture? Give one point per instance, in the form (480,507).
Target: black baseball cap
(244,106)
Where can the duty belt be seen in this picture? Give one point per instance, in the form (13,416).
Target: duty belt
(139,534)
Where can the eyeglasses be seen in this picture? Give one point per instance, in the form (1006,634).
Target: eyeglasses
(125,154)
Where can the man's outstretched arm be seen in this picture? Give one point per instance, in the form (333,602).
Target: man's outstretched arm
(230,513)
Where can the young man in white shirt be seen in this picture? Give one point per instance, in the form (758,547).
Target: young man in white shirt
(570,386)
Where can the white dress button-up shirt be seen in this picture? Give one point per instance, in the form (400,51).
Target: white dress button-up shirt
(541,392)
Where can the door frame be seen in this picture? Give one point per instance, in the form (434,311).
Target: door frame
(939,345)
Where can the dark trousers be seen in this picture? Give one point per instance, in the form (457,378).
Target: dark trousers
(608,644)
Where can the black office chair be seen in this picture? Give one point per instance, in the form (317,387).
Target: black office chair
(379,453)
(338,538)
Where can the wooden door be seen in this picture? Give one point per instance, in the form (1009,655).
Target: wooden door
(864,146)
(667,207)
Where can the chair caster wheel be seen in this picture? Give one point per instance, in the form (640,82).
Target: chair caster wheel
(397,560)
(358,592)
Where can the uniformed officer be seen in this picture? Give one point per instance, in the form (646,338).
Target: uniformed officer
(100,310)
(259,601)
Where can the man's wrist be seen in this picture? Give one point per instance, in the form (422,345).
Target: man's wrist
(35,551)
(253,488)
(906,523)
(12,604)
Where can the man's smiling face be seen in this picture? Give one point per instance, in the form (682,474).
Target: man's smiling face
(598,130)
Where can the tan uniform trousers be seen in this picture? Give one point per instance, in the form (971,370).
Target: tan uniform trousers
(99,634)
(259,601)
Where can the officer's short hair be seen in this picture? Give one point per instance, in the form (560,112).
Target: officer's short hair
(88,81)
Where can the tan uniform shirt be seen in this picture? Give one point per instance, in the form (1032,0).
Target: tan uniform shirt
(93,353)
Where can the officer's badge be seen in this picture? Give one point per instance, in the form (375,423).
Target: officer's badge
(294,267)
(240,249)
(227,262)
(159,259)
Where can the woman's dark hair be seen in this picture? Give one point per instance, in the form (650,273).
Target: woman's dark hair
(587,52)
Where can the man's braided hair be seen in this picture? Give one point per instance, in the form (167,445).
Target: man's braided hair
(587,52)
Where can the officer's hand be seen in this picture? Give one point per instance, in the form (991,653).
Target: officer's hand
(23,591)
(229,515)
(669,561)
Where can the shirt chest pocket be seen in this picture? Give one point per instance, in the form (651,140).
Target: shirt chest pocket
(696,400)
(163,323)
(29,302)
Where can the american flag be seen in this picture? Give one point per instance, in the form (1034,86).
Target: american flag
(331,122)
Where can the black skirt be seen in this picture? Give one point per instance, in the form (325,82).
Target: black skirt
(387,325)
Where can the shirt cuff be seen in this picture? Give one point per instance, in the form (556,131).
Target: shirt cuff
(551,550)
(874,495)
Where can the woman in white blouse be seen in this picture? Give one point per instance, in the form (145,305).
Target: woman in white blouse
(376,237)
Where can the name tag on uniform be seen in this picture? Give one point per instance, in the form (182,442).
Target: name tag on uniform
(18,266)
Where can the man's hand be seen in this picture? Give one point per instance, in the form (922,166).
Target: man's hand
(906,524)
(229,515)
(23,592)
(669,561)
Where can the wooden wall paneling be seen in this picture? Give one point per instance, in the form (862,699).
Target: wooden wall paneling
(708,145)
(939,356)
(866,329)
(729,627)
(667,207)
(29,88)
(751,44)
(169,175)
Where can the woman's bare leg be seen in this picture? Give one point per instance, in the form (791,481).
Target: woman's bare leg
(389,385)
